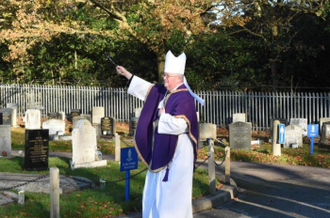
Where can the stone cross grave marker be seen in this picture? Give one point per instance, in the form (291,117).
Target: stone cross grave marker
(293,136)
(97,114)
(5,141)
(302,122)
(84,146)
(32,119)
(240,135)
(36,149)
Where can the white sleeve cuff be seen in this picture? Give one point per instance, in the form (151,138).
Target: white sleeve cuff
(171,125)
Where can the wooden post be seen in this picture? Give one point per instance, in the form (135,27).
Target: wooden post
(55,192)
(276,148)
(117,148)
(227,165)
(211,167)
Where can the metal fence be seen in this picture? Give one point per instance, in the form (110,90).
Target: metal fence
(219,107)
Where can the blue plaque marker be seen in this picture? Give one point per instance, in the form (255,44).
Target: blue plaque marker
(281,133)
(312,131)
(128,162)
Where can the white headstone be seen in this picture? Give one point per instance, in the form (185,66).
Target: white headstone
(55,126)
(84,146)
(14,114)
(137,112)
(241,117)
(293,136)
(207,130)
(62,115)
(97,114)
(302,122)
(32,119)
(5,140)
(323,120)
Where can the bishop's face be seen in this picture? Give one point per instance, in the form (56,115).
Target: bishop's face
(172,80)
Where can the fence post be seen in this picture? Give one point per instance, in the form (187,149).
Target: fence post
(55,192)
(211,167)
(227,165)
(117,148)
(276,148)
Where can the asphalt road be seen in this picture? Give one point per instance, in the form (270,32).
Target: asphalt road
(271,190)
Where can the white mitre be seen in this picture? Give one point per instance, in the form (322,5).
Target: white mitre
(177,65)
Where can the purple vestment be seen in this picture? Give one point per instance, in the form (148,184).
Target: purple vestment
(180,104)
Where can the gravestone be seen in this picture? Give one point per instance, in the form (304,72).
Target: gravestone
(108,126)
(5,141)
(97,114)
(74,113)
(62,113)
(240,117)
(54,115)
(36,149)
(240,135)
(137,112)
(32,119)
(302,122)
(293,136)
(14,113)
(7,116)
(207,130)
(84,146)
(80,117)
(55,126)
(133,121)
(325,132)
(323,120)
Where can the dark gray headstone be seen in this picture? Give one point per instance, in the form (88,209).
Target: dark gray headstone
(325,132)
(54,115)
(108,126)
(36,149)
(240,135)
(75,113)
(132,125)
(7,114)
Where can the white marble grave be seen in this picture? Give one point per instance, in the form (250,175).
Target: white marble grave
(207,130)
(240,117)
(293,136)
(55,126)
(97,114)
(5,140)
(302,122)
(84,146)
(32,119)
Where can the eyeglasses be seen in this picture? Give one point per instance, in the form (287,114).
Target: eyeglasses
(168,76)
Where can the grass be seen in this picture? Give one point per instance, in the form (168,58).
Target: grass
(89,202)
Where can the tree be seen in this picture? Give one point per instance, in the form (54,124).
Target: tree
(271,20)
(155,22)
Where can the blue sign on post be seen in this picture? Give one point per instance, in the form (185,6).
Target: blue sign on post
(281,133)
(312,131)
(128,161)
